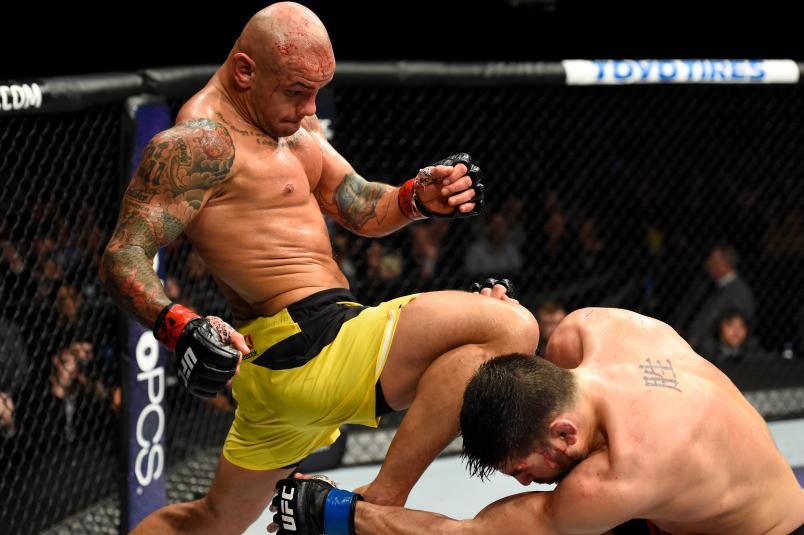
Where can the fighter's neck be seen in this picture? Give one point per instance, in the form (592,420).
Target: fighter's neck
(234,99)
(591,414)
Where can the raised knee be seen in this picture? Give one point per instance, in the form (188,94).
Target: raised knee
(517,331)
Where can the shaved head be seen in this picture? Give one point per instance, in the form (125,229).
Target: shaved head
(276,68)
(287,37)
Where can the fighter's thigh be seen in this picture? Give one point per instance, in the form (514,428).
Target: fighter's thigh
(238,496)
(437,322)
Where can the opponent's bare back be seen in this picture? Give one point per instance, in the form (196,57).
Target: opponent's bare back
(677,428)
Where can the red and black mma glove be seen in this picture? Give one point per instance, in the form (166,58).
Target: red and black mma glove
(206,361)
(489,283)
(313,507)
(414,208)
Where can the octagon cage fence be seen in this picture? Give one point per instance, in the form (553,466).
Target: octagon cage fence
(619,187)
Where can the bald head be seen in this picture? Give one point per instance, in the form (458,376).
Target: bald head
(287,36)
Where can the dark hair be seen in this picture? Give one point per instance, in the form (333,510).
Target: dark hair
(507,409)
(731,314)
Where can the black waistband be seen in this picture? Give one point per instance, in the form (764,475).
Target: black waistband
(320,318)
(315,303)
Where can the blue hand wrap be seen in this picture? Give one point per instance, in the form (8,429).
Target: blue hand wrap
(337,512)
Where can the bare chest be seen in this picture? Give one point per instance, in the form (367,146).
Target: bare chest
(273,174)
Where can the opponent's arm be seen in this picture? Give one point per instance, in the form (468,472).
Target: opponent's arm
(377,209)
(312,507)
(590,500)
(179,171)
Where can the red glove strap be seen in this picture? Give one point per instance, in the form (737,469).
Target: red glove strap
(407,204)
(171,322)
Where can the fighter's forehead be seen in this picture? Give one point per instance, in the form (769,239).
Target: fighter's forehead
(303,75)
(311,66)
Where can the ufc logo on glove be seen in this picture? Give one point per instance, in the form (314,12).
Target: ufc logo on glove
(187,363)
(286,496)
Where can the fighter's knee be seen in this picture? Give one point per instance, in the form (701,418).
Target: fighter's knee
(517,331)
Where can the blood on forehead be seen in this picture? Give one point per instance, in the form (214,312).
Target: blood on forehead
(312,66)
(308,55)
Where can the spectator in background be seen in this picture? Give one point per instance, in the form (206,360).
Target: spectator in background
(18,286)
(14,371)
(549,314)
(382,265)
(426,244)
(727,291)
(47,271)
(80,397)
(512,213)
(732,341)
(558,253)
(495,254)
(590,249)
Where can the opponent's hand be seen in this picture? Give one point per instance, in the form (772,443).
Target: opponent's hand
(312,506)
(450,188)
(207,360)
(502,289)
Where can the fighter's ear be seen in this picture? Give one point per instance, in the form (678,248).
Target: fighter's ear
(563,431)
(242,69)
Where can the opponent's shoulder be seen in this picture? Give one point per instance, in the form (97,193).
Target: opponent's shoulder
(195,153)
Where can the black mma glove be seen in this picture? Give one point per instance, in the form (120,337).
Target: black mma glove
(206,361)
(313,507)
(489,283)
(414,208)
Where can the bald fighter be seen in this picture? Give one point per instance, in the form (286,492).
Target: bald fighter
(247,174)
(629,421)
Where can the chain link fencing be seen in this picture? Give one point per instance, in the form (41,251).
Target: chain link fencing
(632,197)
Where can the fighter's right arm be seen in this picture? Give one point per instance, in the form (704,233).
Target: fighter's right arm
(307,507)
(591,500)
(179,171)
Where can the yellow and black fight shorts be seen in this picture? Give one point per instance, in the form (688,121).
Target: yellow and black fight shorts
(313,366)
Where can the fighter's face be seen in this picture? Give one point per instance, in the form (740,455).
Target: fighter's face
(285,97)
(544,465)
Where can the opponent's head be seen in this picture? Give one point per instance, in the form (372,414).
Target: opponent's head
(280,61)
(514,419)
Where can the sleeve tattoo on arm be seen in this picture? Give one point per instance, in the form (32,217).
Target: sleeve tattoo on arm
(357,201)
(178,167)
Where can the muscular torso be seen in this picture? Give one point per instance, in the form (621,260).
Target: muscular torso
(261,232)
(685,436)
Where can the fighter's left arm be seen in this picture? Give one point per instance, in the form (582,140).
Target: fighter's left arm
(377,209)
(596,497)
